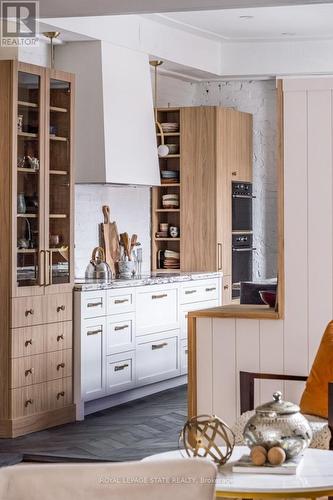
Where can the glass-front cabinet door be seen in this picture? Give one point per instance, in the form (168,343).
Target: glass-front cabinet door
(28,182)
(59,182)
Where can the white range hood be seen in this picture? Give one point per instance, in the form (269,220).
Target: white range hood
(115,132)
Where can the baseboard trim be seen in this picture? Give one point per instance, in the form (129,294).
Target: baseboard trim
(132,394)
(37,422)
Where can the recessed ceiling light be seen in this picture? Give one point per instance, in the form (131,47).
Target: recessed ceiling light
(288,33)
(246,17)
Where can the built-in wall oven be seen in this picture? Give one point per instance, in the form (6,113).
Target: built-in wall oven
(242,261)
(242,197)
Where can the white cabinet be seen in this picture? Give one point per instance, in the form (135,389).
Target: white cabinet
(157,308)
(157,357)
(120,372)
(92,368)
(126,338)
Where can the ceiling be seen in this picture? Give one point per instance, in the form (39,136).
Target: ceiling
(79,8)
(257,24)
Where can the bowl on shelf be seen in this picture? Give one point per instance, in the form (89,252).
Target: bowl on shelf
(169,127)
(170,203)
(171,196)
(173,149)
(268,297)
(169,174)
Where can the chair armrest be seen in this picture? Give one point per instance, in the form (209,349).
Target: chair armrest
(247,387)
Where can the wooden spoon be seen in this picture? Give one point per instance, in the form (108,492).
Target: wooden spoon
(134,239)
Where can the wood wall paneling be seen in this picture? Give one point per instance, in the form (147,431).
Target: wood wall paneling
(271,356)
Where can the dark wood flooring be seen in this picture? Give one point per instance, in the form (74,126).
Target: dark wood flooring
(128,432)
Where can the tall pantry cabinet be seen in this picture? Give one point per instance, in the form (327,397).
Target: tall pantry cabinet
(36,247)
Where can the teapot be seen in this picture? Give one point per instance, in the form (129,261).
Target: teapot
(97,268)
(278,423)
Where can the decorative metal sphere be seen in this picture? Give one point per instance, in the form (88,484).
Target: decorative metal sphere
(207,436)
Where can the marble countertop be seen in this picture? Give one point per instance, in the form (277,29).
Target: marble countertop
(84,285)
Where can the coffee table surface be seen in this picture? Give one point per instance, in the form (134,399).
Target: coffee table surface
(314,479)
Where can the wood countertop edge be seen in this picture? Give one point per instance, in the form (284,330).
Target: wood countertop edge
(237,311)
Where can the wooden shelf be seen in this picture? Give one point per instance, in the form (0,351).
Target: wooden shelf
(165,110)
(27,216)
(29,135)
(171,184)
(167,239)
(27,170)
(28,104)
(58,216)
(165,210)
(56,109)
(58,172)
(58,138)
(27,250)
(165,271)
(169,134)
(169,156)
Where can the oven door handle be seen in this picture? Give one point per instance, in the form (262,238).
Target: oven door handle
(244,196)
(244,249)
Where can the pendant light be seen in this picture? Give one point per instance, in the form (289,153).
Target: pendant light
(52,35)
(162,149)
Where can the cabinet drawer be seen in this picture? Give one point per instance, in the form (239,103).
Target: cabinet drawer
(93,304)
(28,370)
(183,357)
(120,333)
(41,338)
(200,291)
(120,372)
(41,397)
(59,364)
(59,307)
(157,357)
(120,301)
(157,310)
(28,311)
(196,306)
(93,358)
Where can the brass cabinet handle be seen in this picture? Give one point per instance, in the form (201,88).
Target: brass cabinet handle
(188,292)
(219,256)
(120,301)
(60,337)
(117,328)
(226,287)
(160,296)
(118,368)
(29,311)
(210,289)
(60,365)
(95,304)
(94,332)
(29,372)
(234,173)
(41,268)
(28,402)
(158,346)
(27,342)
(61,308)
(60,394)
(48,268)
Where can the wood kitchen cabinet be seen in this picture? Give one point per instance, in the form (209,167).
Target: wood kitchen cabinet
(36,247)
(216,150)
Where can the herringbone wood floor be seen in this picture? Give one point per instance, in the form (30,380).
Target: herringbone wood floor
(128,432)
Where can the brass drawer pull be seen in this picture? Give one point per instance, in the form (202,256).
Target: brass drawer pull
(211,289)
(159,346)
(120,367)
(29,311)
(28,402)
(27,342)
(60,394)
(61,308)
(60,337)
(29,372)
(226,287)
(95,304)
(60,365)
(234,173)
(188,292)
(94,332)
(161,296)
(117,328)
(120,301)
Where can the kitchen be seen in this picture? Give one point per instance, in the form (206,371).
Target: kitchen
(129,336)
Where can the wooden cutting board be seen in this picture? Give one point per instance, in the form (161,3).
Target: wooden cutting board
(111,240)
